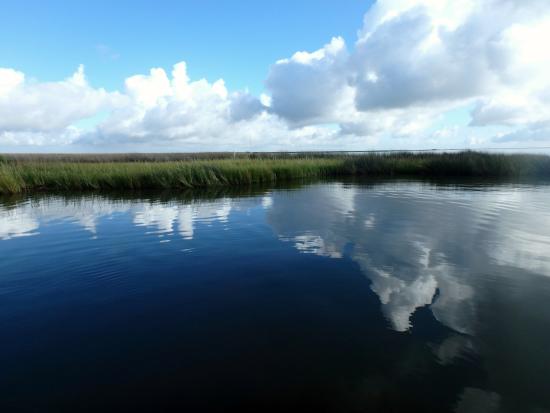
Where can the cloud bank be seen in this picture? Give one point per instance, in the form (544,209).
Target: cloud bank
(424,73)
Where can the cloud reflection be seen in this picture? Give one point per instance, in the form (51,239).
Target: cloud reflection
(86,212)
(456,255)
(413,241)
(475,256)
(16,223)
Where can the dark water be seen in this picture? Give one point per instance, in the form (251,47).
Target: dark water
(388,297)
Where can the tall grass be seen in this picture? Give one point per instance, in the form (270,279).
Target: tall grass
(24,174)
(461,164)
(159,157)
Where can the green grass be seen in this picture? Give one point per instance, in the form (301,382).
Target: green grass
(22,174)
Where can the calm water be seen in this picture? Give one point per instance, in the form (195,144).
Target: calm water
(390,297)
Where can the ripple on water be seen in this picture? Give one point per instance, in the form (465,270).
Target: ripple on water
(431,295)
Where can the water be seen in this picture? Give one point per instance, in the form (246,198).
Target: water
(390,297)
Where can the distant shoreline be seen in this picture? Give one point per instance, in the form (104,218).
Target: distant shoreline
(64,172)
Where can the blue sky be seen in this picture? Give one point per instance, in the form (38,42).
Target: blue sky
(233,40)
(295,75)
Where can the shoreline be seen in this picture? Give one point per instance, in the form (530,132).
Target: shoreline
(43,173)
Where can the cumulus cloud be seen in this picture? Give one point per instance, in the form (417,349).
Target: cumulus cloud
(169,108)
(412,59)
(48,106)
(413,62)
(174,110)
(533,133)
(244,106)
(309,87)
(9,80)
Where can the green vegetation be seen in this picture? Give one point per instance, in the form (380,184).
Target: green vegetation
(23,173)
(461,164)
(24,176)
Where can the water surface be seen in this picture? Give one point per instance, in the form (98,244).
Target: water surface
(390,296)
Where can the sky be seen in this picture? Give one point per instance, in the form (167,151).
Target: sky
(310,75)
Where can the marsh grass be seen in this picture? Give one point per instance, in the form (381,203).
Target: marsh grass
(461,164)
(160,157)
(25,176)
(20,174)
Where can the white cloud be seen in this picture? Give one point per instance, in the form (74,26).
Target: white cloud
(413,62)
(413,58)
(9,80)
(536,132)
(48,107)
(163,110)
(416,60)
(309,87)
(244,106)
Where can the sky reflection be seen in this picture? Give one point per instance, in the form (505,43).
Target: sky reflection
(462,270)
(156,217)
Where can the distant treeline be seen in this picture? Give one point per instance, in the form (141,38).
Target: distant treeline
(21,173)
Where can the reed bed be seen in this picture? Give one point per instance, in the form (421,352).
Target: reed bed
(159,157)
(23,174)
